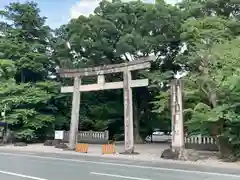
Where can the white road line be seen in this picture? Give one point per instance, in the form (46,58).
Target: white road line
(118,176)
(21,175)
(123,165)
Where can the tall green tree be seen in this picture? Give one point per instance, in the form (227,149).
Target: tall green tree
(28,37)
(29,94)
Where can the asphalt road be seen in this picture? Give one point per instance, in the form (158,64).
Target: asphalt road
(43,166)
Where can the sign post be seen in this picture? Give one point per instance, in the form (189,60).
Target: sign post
(59,135)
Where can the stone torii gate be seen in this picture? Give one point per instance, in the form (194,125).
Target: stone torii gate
(127,84)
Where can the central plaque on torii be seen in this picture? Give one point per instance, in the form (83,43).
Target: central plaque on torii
(127,84)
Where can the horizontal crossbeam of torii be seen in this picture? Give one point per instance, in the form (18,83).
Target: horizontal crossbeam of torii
(105,86)
(127,84)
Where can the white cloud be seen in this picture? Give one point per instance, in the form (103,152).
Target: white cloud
(86,7)
(83,7)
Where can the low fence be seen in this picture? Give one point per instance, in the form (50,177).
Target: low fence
(92,137)
(192,142)
(201,143)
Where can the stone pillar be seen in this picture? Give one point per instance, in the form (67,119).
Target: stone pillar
(177,115)
(75,113)
(128,113)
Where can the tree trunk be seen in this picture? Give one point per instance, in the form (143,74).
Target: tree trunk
(212,96)
(22,77)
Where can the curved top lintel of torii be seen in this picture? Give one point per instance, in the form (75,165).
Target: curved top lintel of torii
(141,63)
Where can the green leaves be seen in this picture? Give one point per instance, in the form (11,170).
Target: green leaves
(32,101)
(161,102)
(25,105)
(26,41)
(7,69)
